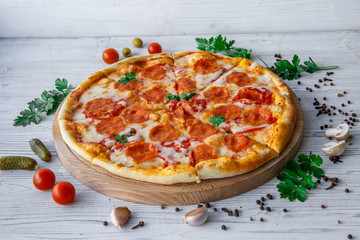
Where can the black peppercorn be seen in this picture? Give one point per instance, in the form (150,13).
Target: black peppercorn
(177,209)
(223,227)
(285,210)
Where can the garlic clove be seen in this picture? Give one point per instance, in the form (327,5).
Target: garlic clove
(334,148)
(197,216)
(341,132)
(119,216)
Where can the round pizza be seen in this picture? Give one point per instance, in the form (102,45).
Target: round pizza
(183,117)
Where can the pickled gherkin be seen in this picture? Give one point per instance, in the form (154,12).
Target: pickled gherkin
(17,162)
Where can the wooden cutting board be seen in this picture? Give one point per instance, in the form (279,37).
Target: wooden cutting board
(130,190)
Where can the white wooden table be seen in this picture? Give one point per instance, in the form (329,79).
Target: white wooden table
(42,40)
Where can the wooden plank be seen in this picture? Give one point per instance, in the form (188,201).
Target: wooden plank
(92,18)
(28,66)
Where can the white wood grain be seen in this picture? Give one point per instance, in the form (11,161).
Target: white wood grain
(94,18)
(28,66)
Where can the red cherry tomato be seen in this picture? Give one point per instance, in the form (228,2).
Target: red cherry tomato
(154,48)
(44,179)
(110,56)
(63,193)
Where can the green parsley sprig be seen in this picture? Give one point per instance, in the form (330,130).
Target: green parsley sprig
(128,77)
(124,137)
(297,177)
(47,103)
(185,96)
(220,44)
(292,70)
(217,120)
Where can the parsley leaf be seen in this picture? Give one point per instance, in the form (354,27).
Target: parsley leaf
(47,103)
(292,70)
(128,77)
(123,138)
(187,97)
(217,120)
(172,97)
(28,116)
(220,44)
(298,176)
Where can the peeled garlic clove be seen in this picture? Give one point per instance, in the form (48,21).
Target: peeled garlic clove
(119,216)
(341,132)
(197,216)
(334,148)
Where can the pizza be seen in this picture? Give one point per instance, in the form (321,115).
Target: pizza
(183,117)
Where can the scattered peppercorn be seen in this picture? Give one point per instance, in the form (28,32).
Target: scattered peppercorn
(177,209)
(236,214)
(230,213)
(347,190)
(299,82)
(223,227)
(269,196)
(262,208)
(251,219)
(262,199)
(261,219)
(162,206)
(105,223)
(207,205)
(350,236)
(323,206)
(268,209)
(338,221)
(285,210)
(215,209)
(258,202)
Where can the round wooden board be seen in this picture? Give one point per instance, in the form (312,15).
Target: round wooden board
(131,190)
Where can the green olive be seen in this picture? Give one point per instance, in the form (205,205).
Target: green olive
(126,52)
(137,42)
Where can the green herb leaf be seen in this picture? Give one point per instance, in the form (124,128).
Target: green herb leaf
(124,137)
(47,103)
(217,120)
(292,70)
(172,97)
(297,177)
(187,97)
(128,77)
(219,44)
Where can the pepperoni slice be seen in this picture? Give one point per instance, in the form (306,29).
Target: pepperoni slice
(206,66)
(217,94)
(141,152)
(156,95)
(239,78)
(102,108)
(164,133)
(255,95)
(136,85)
(185,85)
(136,114)
(202,130)
(237,142)
(229,112)
(156,72)
(203,152)
(258,116)
(111,126)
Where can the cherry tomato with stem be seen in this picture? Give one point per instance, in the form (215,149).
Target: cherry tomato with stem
(110,56)
(44,179)
(154,48)
(63,193)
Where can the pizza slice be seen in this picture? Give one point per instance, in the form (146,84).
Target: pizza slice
(196,70)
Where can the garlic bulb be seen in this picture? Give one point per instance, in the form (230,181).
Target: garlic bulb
(119,216)
(197,216)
